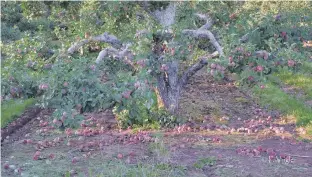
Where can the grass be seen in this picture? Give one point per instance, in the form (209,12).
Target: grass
(121,169)
(275,98)
(298,80)
(205,161)
(12,109)
(159,148)
(306,67)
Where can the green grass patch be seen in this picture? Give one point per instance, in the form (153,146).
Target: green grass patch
(205,161)
(306,67)
(299,80)
(121,169)
(12,109)
(273,96)
(150,126)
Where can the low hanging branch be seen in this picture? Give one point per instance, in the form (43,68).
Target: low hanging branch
(117,51)
(123,54)
(208,20)
(203,32)
(111,39)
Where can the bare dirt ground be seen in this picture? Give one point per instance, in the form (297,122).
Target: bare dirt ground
(228,134)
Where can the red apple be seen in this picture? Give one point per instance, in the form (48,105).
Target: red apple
(75,160)
(51,156)
(6,166)
(291,63)
(259,68)
(232,16)
(65,84)
(213,66)
(119,156)
(230,59)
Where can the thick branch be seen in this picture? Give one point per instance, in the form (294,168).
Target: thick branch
(106,52)
(123,54)
(205,34)
(111,39)
(196,67)
(208,20)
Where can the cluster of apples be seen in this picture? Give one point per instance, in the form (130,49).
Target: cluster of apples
(260,151)
(17,170)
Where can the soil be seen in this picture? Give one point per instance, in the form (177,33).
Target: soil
(225,125)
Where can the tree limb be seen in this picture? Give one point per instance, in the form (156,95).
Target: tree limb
(196,67)
(208,20)
(106,52)
(120,55)
(111,39)
(205,34)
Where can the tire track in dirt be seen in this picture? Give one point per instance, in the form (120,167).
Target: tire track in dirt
(27,116)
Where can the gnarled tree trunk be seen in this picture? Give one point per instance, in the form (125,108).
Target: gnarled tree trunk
(169,87)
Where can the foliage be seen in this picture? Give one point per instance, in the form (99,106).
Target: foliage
(73,84)
(8,33)
(135,101)
(67,117)
(255,66)
(18,83)
(12,109)
(135,113)
(166,119)
(31,52)
(24,62)
(279,31)
(11,14)
(33,9)
(17,17)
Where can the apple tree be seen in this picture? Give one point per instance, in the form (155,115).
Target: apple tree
(147,51)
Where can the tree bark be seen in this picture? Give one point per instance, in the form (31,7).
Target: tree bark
(169,87)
